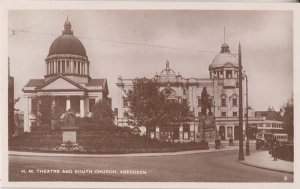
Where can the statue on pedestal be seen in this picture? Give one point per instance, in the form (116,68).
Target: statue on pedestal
(207,128)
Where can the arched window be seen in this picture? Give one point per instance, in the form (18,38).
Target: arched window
(169,93)
(234,99)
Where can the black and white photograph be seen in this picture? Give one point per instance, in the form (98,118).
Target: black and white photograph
(196,96)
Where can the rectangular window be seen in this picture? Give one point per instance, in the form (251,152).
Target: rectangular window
(199,114)
(68,67)
(126,115)
(92,103)
(74,67)
(199,102)
(125,102)
(34,103)
(234,114)
(228,74)
(234,102)
(63,66)
(223,114)
(51,64)
(78,67)
(229,132)
(58,66)
(223,102)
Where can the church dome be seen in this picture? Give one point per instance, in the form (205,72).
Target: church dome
(67,43)
(224,58)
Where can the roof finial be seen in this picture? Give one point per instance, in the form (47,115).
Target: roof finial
(167,64)
(224,33)
(67,27)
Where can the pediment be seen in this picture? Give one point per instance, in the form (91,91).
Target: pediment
(60,83)
(229,65)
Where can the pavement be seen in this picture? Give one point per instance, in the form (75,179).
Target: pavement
(215,166)
(262,159)
(21,153)
(257,158)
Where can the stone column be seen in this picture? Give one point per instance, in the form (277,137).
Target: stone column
(86,106)
(86,69)
(68,103)
(54,67)
(82,106)
(157,133)
(71,66)
(60,64)
(180,133)
(27,110)
(66,67)
(83,66)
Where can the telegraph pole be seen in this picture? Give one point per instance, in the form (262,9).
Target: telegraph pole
(241,150)
(247,125)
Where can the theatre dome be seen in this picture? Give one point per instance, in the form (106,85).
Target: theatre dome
(225,57)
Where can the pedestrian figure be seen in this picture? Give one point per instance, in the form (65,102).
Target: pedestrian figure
(219,144)
(275,150)
(216,143)
(271,146)
(230,142)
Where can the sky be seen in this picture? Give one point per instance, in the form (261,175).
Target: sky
(108,35)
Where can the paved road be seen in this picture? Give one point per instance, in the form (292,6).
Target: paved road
(204,167)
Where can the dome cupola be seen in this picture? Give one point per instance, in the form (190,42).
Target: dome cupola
(225,57)
(224,65)
(67,56)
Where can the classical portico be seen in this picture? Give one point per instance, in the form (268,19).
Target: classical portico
(67,79)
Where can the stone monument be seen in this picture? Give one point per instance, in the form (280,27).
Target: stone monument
(69,131)
(207,128)
(69,134)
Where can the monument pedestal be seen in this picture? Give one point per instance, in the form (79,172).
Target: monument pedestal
(207,129)
(69,134)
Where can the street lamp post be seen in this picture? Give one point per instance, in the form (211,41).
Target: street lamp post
(247,126)
(241,150)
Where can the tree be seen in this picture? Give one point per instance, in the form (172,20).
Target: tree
(54,114)
(44,109)
(103,114)
(145,104)
(149,107)
(288,118)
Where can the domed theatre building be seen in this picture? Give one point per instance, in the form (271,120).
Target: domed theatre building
(223,91)
(67,79)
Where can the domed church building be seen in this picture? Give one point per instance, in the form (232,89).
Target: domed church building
(67,79)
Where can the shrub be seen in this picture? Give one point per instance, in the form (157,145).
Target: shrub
(103,114)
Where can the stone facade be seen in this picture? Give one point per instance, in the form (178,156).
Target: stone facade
(222,88)
(67,79)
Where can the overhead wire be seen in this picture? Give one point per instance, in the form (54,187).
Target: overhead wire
(121,42)
(14,32)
